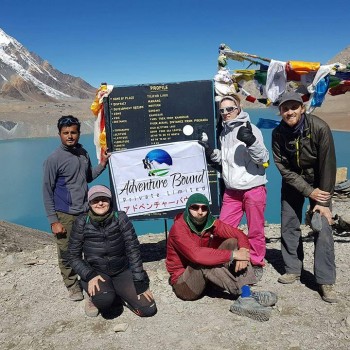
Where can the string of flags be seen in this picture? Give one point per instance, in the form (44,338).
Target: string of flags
(310,79)
(100,140)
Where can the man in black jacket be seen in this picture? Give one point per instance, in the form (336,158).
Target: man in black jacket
(303,151)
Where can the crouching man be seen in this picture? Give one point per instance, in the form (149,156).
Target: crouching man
(203,249)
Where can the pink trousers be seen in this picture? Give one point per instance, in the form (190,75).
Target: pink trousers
(252,202)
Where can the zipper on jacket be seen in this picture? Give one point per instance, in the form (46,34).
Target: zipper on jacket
(297,147)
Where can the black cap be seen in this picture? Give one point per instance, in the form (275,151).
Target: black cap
(290,96)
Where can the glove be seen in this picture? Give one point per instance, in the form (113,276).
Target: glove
(208,150)
(245,135)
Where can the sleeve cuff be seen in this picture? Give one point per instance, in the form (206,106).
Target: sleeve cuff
(52,219)
(141,286)
(232,257)
(91,275)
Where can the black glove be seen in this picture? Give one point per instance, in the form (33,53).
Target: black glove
(245,135)
(208,150)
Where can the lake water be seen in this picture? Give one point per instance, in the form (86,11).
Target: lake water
(21,177)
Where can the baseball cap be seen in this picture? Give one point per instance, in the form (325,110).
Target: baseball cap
(290,96)
(99,191)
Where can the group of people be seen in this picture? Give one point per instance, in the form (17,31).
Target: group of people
(98,249)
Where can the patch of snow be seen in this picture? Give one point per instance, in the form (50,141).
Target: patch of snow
(28,77)
(4,39)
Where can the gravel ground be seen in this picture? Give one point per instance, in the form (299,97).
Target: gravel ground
(35,312)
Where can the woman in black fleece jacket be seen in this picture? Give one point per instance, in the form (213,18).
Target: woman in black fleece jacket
(105,252)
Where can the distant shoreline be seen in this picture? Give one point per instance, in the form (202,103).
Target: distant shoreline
(23,120)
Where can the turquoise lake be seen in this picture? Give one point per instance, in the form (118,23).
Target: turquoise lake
(21,177)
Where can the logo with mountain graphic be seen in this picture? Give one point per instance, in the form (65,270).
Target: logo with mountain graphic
(157,162)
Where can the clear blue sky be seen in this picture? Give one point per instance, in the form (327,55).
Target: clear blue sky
(144,41)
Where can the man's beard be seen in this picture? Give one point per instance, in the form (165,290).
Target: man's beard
(199,221)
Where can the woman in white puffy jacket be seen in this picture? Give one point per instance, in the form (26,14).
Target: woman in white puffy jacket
(243,157)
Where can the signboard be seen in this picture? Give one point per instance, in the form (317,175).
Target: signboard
(157,114)
(158,178)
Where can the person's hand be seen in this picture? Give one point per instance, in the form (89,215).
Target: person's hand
(93,285)
(324,211)
(240,265)
(241,254)
(245,134)
(147,294)
(203,141)
(57,228)
(104,157)
(319,195)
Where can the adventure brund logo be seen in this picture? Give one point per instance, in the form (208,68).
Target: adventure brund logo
(158,162)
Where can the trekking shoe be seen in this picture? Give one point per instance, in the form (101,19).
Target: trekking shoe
(75,293)
(328,293)
(90,309)
(251,308)
(258,272)
(265,298)
(288,278)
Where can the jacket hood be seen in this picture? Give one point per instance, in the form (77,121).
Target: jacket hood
(241,118)
(198,198)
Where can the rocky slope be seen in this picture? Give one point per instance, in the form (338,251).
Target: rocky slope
(26,76)
(36,314)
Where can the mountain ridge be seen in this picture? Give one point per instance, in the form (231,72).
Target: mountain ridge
(25,76)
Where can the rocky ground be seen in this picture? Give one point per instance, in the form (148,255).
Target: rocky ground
(35,312)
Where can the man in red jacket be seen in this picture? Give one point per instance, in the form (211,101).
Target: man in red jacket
(203,249)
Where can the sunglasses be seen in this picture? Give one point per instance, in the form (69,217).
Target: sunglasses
(196,207)
(68,121)
(99,199)
(227,109)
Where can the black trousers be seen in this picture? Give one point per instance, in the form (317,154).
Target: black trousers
(120,290)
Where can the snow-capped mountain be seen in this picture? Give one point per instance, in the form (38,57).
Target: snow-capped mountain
(26,76)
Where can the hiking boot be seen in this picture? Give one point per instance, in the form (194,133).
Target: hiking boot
(251,308)
(258,272)
(288,278)
(265,298)
(90,309)
(328,293)
(75,293)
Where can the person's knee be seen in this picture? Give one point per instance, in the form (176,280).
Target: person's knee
(104,300)
(183,292)
(229,244)
(147,311)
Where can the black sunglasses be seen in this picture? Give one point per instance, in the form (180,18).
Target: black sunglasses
(197,207)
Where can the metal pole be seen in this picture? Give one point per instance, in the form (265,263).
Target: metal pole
(166,230)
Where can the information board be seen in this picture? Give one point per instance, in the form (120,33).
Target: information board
(144,115)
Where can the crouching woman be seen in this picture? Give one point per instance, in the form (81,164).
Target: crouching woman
(105,252)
